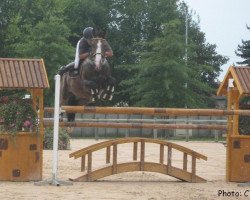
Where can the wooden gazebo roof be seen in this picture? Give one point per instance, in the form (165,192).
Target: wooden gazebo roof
(23,73)
(241,77)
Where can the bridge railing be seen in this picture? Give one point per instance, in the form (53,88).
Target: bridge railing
(140,165)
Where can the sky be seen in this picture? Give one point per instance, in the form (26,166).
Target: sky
(224,24)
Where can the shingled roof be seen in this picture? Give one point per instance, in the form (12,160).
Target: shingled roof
(23,73)
(241,77)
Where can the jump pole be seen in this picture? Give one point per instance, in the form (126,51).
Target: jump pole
(54,180)
(150,111)
(56,131)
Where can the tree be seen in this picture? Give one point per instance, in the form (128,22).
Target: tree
(8,9)
(243,51)
(147,38)
(38,31)
(132,24)
(161,73)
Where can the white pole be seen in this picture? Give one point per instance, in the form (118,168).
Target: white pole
(56,130)
(54,180)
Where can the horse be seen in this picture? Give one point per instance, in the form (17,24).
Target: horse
(93,82)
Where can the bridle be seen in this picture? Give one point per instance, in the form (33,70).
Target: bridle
(94,54)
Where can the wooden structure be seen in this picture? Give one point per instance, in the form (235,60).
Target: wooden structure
(235,86)
(149,111)
(21,156)
(113,167)
(49,123)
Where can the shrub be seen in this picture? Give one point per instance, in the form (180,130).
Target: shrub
(63,139)
(17,114)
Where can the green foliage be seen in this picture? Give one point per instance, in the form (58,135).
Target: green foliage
(63,140)
(157,80)
(38,31)
(147,37)
(243,51)
(17,114)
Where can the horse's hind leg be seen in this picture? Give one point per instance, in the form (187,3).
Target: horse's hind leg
(71,102)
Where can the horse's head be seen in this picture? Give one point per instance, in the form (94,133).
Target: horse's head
(98,48)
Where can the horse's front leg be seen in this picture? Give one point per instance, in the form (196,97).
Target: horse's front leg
(108,88)
(111,82)
(93,87)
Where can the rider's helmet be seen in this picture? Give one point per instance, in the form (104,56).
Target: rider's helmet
(88,33)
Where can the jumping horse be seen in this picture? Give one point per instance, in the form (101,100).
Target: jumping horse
(93,82)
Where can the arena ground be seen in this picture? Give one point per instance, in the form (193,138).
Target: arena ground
(134,185)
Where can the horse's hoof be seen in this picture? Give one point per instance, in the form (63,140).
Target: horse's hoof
(93,99)
(111,97)
(104,96)
(100,94)
(108,88)
(113,89)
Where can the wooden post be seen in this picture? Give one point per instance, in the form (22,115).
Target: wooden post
(83,164)
(161,153)
(193,168)
(89,166)
(235,102)
(108,155)
(142,155)
(169,158)
(185,161)
(229,132)
(114,158)
(135,151)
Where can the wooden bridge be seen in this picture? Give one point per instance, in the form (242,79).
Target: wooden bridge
(164,167)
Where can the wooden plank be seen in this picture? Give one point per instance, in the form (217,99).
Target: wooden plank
(1,74)
(43,73)
(237,81)
(8,74)
(33,74)
(135,149)
(114,171)
(138,125)
(89,166)
(185,160)
(169,158)
(22,72)
(153,111)
(83,164)
(229,134)
(193,167)
(26,71)
(135,166)
(108,155)
(27,158)
(161,153)
(18,74)
(41,81)
(142,157)
(13,73)
(4,77)
(101,145)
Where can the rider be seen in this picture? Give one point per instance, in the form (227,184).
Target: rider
(83,50)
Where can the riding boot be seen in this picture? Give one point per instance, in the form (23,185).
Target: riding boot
(66,68)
